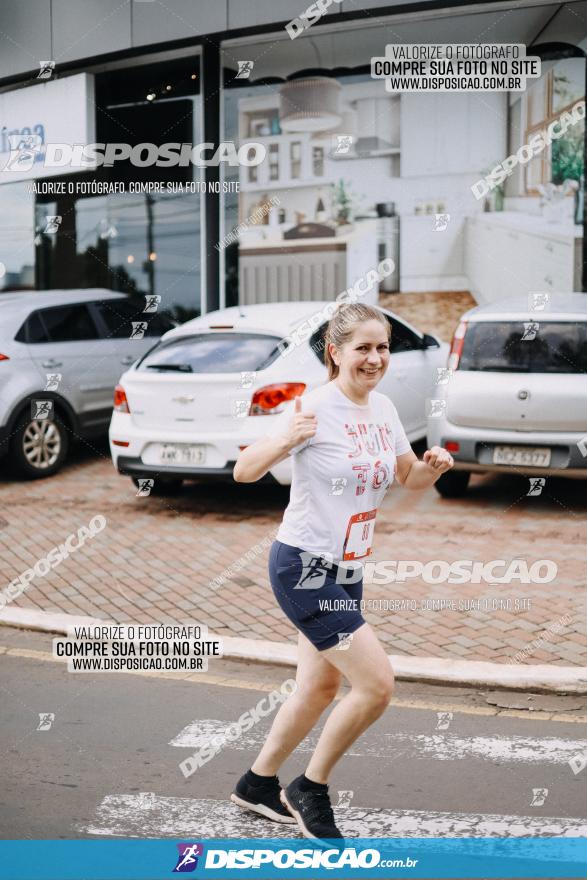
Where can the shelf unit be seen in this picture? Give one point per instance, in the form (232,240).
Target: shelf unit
(292,160)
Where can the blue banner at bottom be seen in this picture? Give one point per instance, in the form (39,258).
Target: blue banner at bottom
(384,858)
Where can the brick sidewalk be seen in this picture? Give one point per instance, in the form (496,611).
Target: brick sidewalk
(436,313)
(156,557)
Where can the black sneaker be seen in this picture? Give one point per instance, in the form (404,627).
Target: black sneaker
(262,799)
(312,810)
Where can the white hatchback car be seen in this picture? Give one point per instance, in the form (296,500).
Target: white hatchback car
(215,384)
(515,399)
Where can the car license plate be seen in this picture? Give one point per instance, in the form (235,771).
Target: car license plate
(182,454)
(529,456)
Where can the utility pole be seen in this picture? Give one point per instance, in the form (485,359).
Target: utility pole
(151,254)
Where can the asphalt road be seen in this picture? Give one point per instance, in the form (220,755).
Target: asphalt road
(108,764)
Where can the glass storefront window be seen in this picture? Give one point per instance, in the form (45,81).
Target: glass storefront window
(560,86)
(134,242)
(17,251)
(302,187)
(349,160)
(568,83)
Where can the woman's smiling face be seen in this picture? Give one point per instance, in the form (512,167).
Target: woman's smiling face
(364,358)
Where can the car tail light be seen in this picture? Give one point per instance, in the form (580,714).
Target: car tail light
(4,357)
(121,442)
(456,346)
(266,399)
(452,446)
(120,401)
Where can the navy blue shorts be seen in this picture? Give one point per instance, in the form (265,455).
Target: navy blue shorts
(306,587)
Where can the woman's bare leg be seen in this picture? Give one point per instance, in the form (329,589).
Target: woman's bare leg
(317,682)
(366,666)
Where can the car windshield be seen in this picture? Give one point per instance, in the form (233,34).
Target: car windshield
(533,346)
(213,353)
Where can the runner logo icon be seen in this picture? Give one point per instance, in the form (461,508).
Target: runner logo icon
(187,859)
(314,570)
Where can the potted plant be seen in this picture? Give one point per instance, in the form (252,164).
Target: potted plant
(494,200)
(342,203)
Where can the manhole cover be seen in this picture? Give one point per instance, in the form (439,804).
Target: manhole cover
(536,702)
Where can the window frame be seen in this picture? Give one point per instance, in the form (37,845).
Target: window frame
(507,326)
(49,341)
(23,334)
(550,115)
(104,329)
(162,343)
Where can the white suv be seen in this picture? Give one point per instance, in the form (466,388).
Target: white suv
(514,397)
(61,354)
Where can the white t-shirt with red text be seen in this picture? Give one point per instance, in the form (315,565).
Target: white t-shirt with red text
(340,475)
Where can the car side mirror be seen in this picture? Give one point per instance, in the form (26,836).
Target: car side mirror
(429,341)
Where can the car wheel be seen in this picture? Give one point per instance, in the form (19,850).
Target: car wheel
(453,484)
(39,446)
(162,487)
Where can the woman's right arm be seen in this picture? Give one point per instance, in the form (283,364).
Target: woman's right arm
(257,459)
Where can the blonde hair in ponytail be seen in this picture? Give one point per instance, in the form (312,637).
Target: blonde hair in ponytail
(342,326)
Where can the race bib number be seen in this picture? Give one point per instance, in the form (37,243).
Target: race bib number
(359,535)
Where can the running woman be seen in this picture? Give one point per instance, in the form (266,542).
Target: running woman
(347,444)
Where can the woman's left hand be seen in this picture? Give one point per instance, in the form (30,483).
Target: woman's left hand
(438,459)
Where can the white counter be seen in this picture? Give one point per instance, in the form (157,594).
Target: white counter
(284,270)
(272,239)
(511,254)
(532,224)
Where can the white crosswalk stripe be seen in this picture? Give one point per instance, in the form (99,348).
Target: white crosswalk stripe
(130,815)
(151,815)
(439,747)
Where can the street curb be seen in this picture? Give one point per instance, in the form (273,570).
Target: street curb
(433,670)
